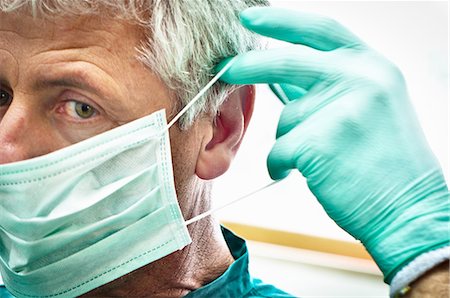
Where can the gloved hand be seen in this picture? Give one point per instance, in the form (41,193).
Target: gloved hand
(348,126)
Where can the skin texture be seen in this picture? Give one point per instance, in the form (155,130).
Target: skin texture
(49,66)
(436,283)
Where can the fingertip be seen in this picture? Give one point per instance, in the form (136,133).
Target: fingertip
(249,13)
(225,77)
(276,172)
(222,64)
(278,175)
(249,17)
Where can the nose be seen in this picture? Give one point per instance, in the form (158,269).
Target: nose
(19,139)
(13,145)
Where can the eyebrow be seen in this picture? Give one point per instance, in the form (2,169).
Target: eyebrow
(70,81)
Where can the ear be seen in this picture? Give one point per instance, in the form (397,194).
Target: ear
(229,128)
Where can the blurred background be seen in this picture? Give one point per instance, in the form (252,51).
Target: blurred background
(292,242)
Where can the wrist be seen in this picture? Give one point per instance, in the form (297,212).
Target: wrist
(417,268)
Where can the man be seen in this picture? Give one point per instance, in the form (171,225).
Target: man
(71,71)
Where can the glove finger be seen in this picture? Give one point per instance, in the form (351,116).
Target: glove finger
(294,151)
(316,31)
(298,65)
(281,159)
(278,168)
(287,92)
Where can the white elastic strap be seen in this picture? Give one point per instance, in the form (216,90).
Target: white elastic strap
(200,94)
(281,94)
(208,213)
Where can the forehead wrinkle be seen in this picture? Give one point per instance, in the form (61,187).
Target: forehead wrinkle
(108,54)
(91,73)
(9,66)
(109,33)
(85,23)
(56,49)
(104,58)
(102,71)
(79,31)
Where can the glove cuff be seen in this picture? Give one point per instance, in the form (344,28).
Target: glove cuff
(418,267)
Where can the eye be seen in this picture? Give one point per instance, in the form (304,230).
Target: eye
(84,110)
(80,110)
(5,98)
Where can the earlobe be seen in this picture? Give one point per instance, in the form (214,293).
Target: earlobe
(230,125)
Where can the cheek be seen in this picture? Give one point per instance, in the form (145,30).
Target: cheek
(184,147)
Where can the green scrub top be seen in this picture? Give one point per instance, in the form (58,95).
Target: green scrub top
(235,282)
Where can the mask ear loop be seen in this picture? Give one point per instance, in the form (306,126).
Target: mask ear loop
(202,92)
(214,210)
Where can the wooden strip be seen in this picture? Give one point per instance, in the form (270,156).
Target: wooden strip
(297,240)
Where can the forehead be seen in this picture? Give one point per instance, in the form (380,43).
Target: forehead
(22,30)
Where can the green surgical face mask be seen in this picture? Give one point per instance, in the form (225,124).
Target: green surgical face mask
(80,217)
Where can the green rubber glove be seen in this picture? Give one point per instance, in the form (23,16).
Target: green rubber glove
(348,126)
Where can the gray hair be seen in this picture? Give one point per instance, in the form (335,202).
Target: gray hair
(185,39)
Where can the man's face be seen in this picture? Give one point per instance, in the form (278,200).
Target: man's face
(65,80)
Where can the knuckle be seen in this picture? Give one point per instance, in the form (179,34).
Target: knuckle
(376,73)
(387,75)
(391,73)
